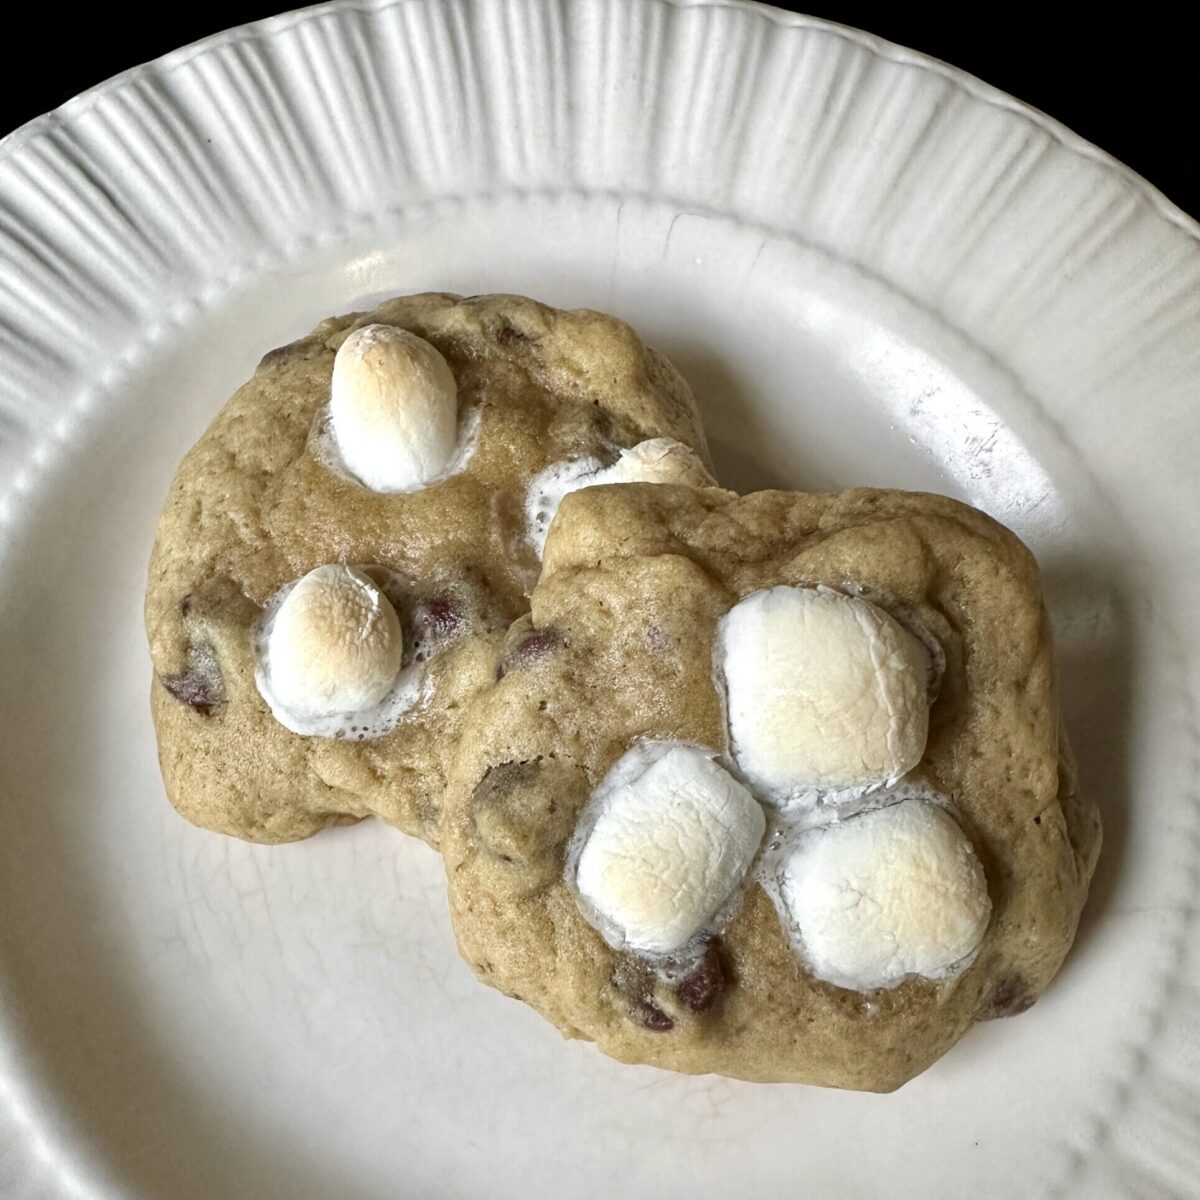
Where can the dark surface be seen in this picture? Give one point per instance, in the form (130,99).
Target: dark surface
(1128,85)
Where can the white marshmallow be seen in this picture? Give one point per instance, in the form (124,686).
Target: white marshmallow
(394,408)
(333,647)
(657,460)
(824,691)
(669,837)
(886,894)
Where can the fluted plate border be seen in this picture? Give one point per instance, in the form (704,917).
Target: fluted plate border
(140,203)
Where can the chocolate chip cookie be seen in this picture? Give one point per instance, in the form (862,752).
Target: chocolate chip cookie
(341,553)
(664,833)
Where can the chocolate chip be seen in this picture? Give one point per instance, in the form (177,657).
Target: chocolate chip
(527,650)
(648,1015)
(534,646)
(1009,998)
(634,979)
(440,615)
(701,988)
(200,686)
(509,335)
(192,690)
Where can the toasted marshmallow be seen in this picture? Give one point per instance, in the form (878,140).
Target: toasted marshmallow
(394,408)
(886,894)
(658,460)
(669,836)
(332,649)
(825,692)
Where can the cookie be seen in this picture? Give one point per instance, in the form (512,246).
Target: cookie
(664,833)
(343,550)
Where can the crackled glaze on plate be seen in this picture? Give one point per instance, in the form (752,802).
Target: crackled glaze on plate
(874,270)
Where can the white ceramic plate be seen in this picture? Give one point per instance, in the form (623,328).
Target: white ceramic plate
(874,270)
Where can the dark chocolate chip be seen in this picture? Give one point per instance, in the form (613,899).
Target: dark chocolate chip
(200,686)
(441,615)
(1009,998)
(701,988)
(533,647)
(196,691)
(633,978)
(527,650)
(509,335)
(192,690)
(648,1015)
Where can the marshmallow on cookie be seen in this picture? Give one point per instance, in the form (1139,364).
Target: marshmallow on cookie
(669,838)
(825,692)
(330,654)
(884,895)
(394,408)
(658,460)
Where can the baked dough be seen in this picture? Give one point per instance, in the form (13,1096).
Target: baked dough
(527,696)
(256,504)
(618,650)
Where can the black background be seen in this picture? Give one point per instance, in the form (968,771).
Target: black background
(1129,85)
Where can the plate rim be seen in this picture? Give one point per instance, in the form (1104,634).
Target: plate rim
(271,27)
(885,48)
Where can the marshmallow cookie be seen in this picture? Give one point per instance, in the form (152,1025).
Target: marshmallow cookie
(342,551)
(771,786)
